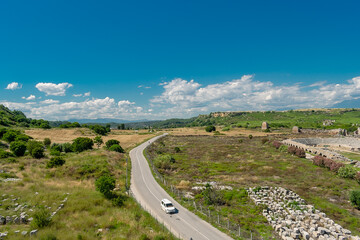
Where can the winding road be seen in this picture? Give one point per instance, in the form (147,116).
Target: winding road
(183,224)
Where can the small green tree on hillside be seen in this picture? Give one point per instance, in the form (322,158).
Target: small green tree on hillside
(18,148)
(98,141)
(81,144)
(111,142)
(210,128)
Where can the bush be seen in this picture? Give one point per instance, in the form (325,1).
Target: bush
(105,184)
(41,218)
(347,171)
(319,161)
(291,149)
(55,152)
(37,152)
(55,162)
(225,129)
(277,144)
(66,147)
(355,198)
(111,142)
(210,128)
(10,136)
(283,148)
(116,148)
(300,153)
(31,145)
(335,166)
(177,149)
(56,147)
(250,136)
(164,161)
(118,200)
(18,148)
(47,142)
(81,144)
(22,137)
(264,140)
(5,154)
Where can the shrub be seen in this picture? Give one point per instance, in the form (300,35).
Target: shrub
(111,142)
(98,129)
(55,162)
(277,144)
(164,161)
(37,152)
(118,200)
(355,198)
(357,177)
(264,140)
(10,136)
(22,137)
(226,129)
(300,153)
(18,148)
(98,141)
(56,147)
(54,152)
(250,136)
(347,171)
(66,147)
(177,149)
(5,154)
(283,148)
(335,166)
(41,218)
(81,144)
(47,142)
(105,184)
(319,161)
(210,128)
(31,145)
(116,148)
(292,149)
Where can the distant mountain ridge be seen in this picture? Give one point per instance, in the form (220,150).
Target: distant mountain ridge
(354,103)
(105,120)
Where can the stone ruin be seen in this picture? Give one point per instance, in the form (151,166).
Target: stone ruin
(264,126)
(292,218)
(295,129)
(18,214)
(326,147)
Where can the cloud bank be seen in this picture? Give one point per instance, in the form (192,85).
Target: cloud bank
(186,98)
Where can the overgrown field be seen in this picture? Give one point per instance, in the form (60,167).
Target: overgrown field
(86,214)
(241,162)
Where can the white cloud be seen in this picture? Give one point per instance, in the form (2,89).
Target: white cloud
(87,94)
(53,89)
(13,86)
(31,97)
(77,95)
(49,101)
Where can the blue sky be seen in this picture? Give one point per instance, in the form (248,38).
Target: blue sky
(162,59)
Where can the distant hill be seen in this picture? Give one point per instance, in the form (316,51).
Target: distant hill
(354,103)
(104,120)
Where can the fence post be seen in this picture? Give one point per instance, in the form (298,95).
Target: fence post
(209,214)
(239,231)
(195,206)
(250,234)
(201,208)
(218,219)
(228,224)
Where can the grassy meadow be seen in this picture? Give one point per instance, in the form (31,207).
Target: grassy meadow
(86,214)
(241,162)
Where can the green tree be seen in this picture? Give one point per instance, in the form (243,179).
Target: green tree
(55,162)
(32,144)
(355,198)
(116,148)
(105,184)
(98,141)
(37,152)
(210,128)
(81,144)
(47,142)
(18,148)
(111,142)
(10,136)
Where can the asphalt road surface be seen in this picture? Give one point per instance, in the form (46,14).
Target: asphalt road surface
(148,193)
